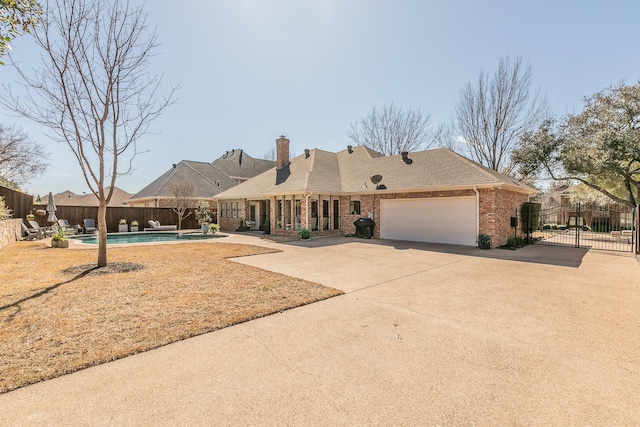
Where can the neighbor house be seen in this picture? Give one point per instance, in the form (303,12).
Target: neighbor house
(69,198)
(207,179)
(431,196)
(568,206)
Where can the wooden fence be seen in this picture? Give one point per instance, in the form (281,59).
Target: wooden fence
(77,214)
(20,203)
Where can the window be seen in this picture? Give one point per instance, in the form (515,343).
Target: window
(354,207)
(222,210)
(233,210)
(228,210)
(239,209)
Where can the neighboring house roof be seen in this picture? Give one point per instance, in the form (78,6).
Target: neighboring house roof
(350,172)
(68,198)
(208,181)
(240,166)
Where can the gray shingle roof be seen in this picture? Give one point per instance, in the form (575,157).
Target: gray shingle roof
(68,198)
(239,165)
(208,181)
(350,173)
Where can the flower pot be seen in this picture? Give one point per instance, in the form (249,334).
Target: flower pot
(205,228)
(59,243)
(122,228)
(134,229)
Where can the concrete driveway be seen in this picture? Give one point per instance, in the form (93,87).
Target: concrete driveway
(424,335)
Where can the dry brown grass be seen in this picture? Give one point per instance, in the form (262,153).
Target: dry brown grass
(55,322)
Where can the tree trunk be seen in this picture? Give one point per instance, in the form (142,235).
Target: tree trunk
(102,234)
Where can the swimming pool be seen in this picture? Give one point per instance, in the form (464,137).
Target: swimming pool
(124,238)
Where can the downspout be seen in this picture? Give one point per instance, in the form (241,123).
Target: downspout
(477,210)
(306,209)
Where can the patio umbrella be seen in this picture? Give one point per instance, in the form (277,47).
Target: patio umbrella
(51,209)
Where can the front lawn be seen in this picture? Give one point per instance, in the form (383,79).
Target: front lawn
(58,314)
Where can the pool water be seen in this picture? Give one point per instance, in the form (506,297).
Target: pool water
(123,238)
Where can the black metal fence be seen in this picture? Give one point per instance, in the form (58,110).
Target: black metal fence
(585,225)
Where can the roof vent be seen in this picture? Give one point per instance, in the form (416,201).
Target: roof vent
(405,157)
(174,165)
(349,149)
(306,153)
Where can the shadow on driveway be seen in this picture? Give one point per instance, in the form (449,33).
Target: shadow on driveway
(537,254)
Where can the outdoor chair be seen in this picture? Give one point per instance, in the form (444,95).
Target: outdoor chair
(89,226)
(155,226)
(30,233)
(46,231)
(66,227)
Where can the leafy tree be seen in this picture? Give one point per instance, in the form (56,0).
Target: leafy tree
(494,113)
(182,192)
(20,158)
(16,17)
(93,89)
(600,147)
(203,212)
(392,130)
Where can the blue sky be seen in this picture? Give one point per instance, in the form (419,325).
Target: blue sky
(251,70)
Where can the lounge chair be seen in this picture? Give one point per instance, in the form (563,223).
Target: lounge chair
(155,226)
(89,226)
(46,231)
(66,227)
(30,233)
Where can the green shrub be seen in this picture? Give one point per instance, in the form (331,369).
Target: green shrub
(515,242)
(59,236)
(5,212)
(305,234)
(483,241)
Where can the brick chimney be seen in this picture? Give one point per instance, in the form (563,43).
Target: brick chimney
(282,152)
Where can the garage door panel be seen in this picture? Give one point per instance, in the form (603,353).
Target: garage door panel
(443,220)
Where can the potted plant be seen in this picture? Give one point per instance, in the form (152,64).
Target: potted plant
(203,215)
(134,226)
(305,234)
(59,240)
(214,228)
(31,217)
(122,226)
(266,227)
(484,241)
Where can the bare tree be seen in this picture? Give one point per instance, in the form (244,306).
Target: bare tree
(182,191)
(93,90)
(270,154)
(20,157)
(392,130)
(494,113)
(444,136)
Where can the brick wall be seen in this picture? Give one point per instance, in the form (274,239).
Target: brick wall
(496,209)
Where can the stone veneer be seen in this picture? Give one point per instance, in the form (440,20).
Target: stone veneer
(10,231)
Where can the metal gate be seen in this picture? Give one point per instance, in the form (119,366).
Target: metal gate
(585,225)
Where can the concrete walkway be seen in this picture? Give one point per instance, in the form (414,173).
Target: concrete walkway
(425,335)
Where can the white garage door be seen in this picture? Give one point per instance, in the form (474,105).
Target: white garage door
(439,220)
